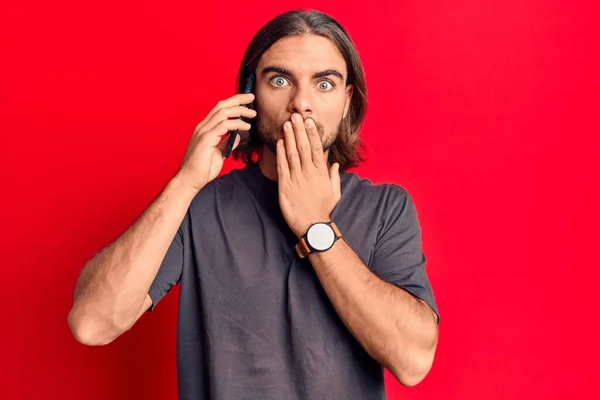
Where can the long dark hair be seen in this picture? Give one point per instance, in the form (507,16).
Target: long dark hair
(347,148)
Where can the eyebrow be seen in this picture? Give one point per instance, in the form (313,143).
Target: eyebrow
(317,75)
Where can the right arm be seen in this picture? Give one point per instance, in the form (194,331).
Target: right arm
(112,290)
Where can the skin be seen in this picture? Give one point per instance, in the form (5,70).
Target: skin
(296,89)
(394,327)
(299,116)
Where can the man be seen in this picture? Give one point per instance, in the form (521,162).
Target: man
(299,280)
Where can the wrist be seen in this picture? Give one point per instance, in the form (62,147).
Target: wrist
(301,228)
(319,237)
(183,187)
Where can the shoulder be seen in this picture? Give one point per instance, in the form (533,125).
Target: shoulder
(388,195)
(390,204)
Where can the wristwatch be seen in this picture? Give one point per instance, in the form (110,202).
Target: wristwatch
(319,237)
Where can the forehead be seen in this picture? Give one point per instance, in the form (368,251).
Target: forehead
(304,54)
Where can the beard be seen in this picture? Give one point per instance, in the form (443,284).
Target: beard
(270,130)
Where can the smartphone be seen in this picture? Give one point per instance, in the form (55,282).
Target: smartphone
(248,89)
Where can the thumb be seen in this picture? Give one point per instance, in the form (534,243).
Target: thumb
(334,176)
(223,145)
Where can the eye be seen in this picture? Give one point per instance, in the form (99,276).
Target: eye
(325,85)
(279,81)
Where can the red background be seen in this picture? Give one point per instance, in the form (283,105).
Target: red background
(487,112)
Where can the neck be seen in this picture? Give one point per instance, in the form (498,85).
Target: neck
(268,164)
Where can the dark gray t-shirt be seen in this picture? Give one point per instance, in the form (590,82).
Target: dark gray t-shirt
(254,322)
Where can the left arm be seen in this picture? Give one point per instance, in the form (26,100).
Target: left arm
(395,328)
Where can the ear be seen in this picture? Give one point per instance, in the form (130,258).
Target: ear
(349,91)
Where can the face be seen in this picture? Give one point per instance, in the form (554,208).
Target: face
(306,75)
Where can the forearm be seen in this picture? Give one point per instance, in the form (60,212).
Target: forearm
(394,327)
(113,285)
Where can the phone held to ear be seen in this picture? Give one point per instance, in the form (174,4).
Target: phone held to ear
(248,89)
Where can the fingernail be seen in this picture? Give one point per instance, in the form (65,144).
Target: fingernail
(309,122)
(296,118)
(287,125)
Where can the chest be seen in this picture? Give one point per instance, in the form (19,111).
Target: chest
(254,290)
(247,250)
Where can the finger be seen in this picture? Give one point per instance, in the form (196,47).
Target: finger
(223,145)
(316,147)
(283,168)
(290,148)
(213,136)
(235,100)
(228,113)
(336,187)
(302,143)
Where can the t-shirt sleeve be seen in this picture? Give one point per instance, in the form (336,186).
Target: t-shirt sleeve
(169,272)
(398,256)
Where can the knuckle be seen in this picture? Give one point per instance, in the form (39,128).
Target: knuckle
(222,125)
(201,141)
(222,113)
(303,148)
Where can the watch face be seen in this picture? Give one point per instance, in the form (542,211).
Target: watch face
(320,236)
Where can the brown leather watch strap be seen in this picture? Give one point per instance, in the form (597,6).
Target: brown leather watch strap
(302,248)
(337,232)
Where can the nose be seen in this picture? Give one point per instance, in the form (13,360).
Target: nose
(301,102)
